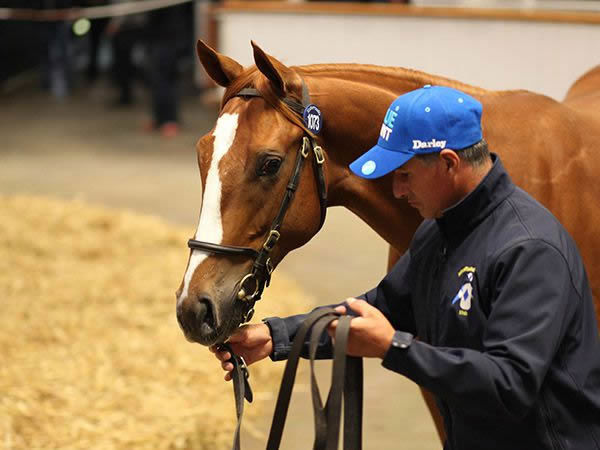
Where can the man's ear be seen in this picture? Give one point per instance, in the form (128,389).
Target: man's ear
(450,159)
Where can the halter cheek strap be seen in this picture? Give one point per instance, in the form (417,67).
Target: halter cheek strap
(252,285)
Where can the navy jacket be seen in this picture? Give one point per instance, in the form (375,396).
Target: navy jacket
(498,296)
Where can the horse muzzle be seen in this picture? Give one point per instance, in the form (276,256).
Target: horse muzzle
(198,318)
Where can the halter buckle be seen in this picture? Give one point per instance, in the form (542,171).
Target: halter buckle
(305,147)
(272,239)
(242,295)
(269,266)
(319,154)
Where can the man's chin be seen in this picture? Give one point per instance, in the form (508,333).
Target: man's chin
(428,214)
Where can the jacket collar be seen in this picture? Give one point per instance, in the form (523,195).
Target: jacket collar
(477,205)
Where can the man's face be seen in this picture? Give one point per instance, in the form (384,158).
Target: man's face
(426,186)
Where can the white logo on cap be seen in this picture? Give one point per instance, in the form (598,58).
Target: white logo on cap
(417,144)
(368,168)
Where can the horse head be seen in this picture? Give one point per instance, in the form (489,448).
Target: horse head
(258,201)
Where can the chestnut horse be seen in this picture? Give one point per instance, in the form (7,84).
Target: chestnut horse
(247,160)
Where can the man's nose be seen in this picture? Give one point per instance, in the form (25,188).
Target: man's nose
(399,186)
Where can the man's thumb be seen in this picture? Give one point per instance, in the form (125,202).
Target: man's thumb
(358,306)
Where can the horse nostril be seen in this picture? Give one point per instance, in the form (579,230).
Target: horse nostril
(196,315)
(203,311)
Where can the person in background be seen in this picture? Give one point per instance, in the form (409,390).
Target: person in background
(56,63)
(97,29)
(124,33)
(170,38)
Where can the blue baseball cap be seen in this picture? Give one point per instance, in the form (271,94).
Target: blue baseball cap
(426,120)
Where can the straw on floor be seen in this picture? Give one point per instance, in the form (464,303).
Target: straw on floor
(91,356)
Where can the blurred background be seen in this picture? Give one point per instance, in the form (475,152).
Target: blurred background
(101,103)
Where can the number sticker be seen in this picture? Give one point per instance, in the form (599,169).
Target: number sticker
(313,119)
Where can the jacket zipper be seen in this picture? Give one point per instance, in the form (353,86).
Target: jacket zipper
(555,441)
(437,299)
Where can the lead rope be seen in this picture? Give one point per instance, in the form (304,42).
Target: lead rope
(346,381)
(241,390)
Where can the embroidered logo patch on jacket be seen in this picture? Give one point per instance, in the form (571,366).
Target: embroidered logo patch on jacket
(465,293)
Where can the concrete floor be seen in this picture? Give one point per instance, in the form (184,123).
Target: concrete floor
(81,148)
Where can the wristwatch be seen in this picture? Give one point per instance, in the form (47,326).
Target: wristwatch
(402,339)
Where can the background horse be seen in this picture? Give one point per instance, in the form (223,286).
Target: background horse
(246,161)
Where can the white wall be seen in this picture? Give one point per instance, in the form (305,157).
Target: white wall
(542,57)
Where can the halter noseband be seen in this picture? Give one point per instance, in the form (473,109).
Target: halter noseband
(252,285)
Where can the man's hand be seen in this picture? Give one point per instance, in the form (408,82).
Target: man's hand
(370,334)
(251,342)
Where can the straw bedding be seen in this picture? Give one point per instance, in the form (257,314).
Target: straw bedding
(91,356)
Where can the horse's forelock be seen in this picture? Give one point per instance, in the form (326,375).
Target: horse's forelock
(253,78)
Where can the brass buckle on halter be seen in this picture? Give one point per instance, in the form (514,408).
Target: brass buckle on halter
(319,154)
(242,292)
(272,239)
(305,144)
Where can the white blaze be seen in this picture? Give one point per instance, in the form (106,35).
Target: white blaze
(210,227)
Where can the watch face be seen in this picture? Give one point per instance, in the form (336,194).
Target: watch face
(402,339)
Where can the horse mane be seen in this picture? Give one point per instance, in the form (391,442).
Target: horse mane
(251,77)
(412,76)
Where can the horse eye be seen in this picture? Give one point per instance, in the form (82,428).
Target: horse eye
(270,166)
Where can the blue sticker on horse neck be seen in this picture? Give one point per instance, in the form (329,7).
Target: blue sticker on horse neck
(313,119)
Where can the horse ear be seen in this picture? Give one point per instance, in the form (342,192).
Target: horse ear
(279,74)
(222,69)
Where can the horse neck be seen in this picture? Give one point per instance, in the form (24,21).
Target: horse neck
(353,100)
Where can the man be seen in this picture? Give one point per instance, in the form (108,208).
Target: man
(492,285)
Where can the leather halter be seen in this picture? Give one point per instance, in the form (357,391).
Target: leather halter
(252,285)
